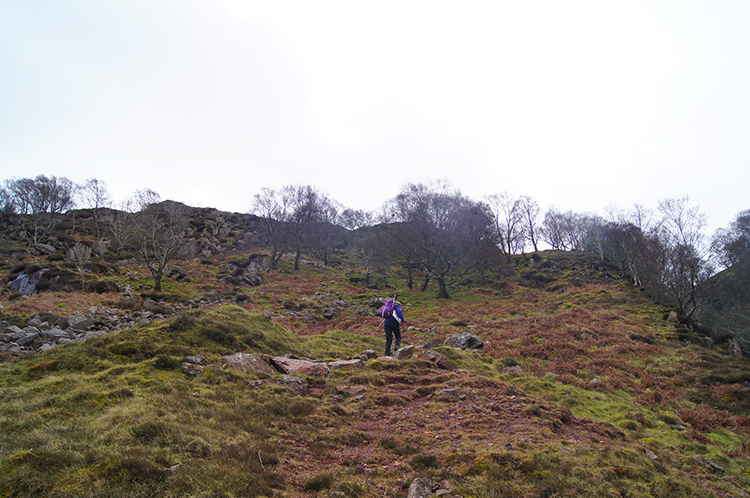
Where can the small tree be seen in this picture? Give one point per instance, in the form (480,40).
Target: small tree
(80,256)
(686,265)
(96,197)
(508,221)
(160,237)
(530,214)
(274,211)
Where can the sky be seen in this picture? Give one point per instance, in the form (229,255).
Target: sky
(582,105)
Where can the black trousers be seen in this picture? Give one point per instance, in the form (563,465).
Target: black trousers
(392,329)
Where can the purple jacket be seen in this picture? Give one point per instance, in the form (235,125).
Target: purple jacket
(398,312)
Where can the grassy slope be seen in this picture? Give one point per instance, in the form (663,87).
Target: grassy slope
(610,399)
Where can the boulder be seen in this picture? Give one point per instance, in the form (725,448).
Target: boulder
(420,488)
(466,340)
(248,362)
(437,359)
(91,335)
(197,360)
(27,339)
(44,249)
(192,368)
(368,354)
(404,353)
(352,390)
(54,335)
(79,322)
(345,363)
(13,329)
(299,367)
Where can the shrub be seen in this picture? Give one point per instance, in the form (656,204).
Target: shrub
(164,362)
(320,482)
(183,321)
(100,286)
(420,462)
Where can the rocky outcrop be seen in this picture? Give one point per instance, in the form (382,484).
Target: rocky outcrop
(26,283)
(46,331)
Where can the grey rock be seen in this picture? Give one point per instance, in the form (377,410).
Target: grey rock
(368,354)
(79,322)
(192,368)
(420,488)
(45,248)
(31,330)
(197,360)
(54,335)
(92,334)
(300,367)
(27,339)
(249,362)
(12,348)
(404,353)
(465,340)
(345,363)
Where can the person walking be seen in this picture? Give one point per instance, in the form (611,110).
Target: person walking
(394,316)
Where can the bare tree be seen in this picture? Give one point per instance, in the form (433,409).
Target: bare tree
(96,197)
(160,237)
(530,214)
(38,203)
(508,221)
(80,256)
(687,266)
(274,211)
(727,304)
(326,234)
(566,231)
(443,227)
(352,219)
(297,217)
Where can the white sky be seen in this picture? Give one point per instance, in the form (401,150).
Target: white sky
(579,104)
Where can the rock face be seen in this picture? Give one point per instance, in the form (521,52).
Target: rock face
(26,283)
(465,341)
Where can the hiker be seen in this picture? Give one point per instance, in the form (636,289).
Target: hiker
(393,315)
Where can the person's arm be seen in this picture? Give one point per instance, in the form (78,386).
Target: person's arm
(399,314)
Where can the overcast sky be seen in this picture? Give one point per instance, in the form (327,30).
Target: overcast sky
(579,104)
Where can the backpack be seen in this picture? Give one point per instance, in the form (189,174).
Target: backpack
(386,311)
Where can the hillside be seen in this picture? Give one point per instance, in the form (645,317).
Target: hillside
(583,386)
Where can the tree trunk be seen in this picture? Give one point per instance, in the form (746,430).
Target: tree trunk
(424,285)
(443,292)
